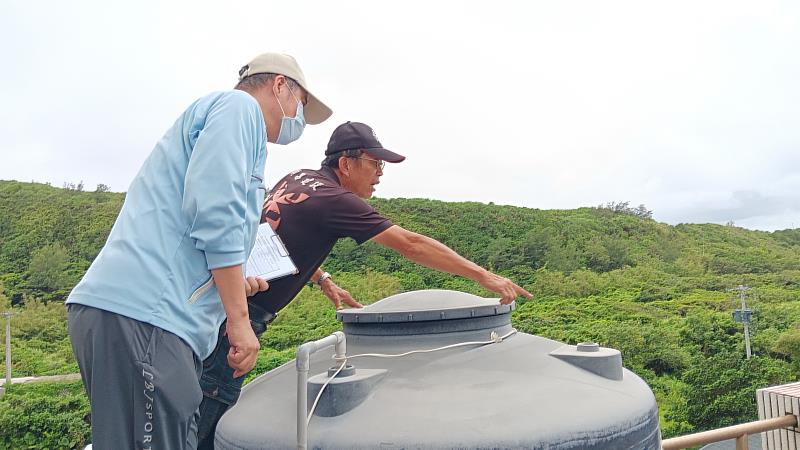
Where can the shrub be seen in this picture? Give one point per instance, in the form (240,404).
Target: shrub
(45,416)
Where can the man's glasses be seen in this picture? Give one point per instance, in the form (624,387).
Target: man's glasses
(379,164)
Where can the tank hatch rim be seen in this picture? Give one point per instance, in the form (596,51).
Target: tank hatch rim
(426,306)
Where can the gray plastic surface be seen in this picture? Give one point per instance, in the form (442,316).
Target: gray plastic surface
(426,327)
(427,305)
(431,311)
(507,395)
(343,393)
(606,362)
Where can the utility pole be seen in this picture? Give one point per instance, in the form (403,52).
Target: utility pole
(743,315)
(8,315)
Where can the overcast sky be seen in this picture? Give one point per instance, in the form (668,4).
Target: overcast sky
(690,107)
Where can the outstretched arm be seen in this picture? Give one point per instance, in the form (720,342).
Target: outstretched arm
(432,253)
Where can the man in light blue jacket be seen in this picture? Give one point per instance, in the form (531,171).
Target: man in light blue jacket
(147,311)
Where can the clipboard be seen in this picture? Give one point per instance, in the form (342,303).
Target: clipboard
(269,258)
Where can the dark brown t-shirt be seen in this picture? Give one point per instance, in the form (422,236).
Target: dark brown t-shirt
(310,211)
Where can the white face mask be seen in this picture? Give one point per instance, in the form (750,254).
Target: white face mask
(291,127)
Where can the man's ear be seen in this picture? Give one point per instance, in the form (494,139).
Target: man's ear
(344,165)
(278,83)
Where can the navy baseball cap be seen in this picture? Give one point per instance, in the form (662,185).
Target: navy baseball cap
(359,136)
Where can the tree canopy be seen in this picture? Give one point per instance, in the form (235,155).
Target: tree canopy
(609,274)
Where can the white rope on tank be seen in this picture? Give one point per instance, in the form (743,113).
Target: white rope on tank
(494,339)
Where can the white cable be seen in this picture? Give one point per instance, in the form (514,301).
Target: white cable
(495,339)
(322,389)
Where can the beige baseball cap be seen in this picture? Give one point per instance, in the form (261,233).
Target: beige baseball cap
(315,111)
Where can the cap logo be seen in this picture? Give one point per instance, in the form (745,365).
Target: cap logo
(375,135)
(243,69)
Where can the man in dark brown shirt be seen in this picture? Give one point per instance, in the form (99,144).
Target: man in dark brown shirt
(310,210)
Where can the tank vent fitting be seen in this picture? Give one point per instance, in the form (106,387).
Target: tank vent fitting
(347,371)
(588,347)
(606,362)
(343,393)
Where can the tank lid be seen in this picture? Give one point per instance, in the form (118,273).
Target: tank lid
(426,305)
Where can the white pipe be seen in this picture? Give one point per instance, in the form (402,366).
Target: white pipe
(304,353)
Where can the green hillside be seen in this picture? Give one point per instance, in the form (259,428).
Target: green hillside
(659,293)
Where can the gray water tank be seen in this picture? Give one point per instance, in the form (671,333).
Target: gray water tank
(525,392)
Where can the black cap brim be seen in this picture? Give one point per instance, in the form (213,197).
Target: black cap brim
(384,155)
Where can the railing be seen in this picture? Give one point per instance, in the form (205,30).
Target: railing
(738,432)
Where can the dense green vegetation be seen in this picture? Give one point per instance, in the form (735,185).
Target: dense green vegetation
(45,416)
(658,293)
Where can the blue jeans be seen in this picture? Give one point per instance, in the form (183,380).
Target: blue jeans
(220,389)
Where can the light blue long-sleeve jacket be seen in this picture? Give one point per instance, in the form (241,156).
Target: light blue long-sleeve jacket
(194,206)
